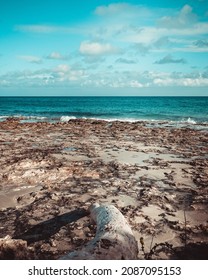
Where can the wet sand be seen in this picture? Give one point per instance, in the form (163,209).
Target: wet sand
(50,173)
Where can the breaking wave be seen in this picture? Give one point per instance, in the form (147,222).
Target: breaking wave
(67,118)
(34,118)
(189,121)
(24,118)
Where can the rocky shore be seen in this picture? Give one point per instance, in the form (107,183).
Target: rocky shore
(50,173)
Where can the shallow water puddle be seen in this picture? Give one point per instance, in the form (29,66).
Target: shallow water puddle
(9,194)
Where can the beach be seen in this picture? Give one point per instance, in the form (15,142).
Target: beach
(51,172)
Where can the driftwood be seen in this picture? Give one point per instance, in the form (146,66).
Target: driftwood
(113,240)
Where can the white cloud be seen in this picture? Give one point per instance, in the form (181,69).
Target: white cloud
(4,83)
(136,84)
(186,82)
(146,35)
(140,25)
(62,68)
(127,23)
(184,18)
(96,48)
(149,36)
(124,10)
(64,75)
(31,58)
(195,79)
(199,28)
(111,9)
(57,56)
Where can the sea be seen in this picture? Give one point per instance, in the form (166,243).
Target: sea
(153,111)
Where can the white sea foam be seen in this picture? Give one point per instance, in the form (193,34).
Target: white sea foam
(67,118)
(122,120)
(128,120)
(24,117)
(191,121)
(34,118)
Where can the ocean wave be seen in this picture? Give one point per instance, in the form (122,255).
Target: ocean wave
(34,118)
(67,118)
(189,121)
(112,119)
(23,117)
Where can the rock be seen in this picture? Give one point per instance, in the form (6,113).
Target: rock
(113,240)
(15,249)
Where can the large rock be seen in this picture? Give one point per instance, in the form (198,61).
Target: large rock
(113,240)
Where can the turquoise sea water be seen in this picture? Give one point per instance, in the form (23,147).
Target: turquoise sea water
(169,110)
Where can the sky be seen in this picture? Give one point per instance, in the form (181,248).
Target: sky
(103,47)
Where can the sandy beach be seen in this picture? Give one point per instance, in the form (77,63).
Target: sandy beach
(50,173)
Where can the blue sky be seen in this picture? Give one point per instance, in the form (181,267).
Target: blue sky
(104,47)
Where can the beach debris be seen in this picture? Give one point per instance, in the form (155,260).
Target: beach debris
(113,239)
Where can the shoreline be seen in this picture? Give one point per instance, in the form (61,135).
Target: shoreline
(155,176)
(157,123)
